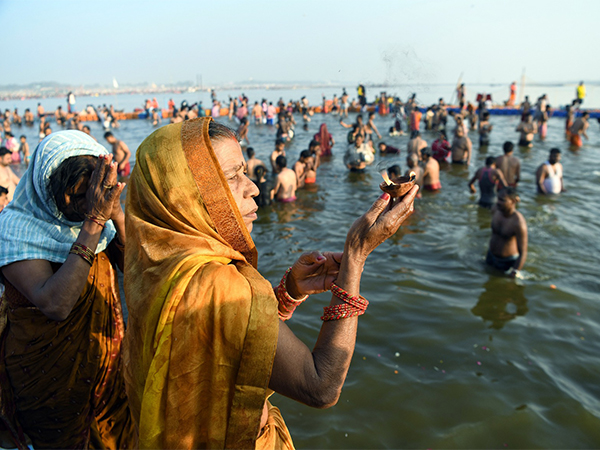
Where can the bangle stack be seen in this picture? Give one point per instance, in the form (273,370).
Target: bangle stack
(352,306)
(287,304)
(97,220)
(84,252)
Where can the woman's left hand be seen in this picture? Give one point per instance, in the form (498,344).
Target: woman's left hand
(313,273)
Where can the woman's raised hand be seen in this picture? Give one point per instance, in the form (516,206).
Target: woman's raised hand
(380,222)
(313,273)
(104,191)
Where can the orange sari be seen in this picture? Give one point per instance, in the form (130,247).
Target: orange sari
(203,322)
(63,379)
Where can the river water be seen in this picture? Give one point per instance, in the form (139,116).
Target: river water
(449,353)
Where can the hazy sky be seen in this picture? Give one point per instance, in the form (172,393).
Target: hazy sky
(370,41)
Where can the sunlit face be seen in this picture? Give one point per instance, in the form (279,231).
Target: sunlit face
(230,157)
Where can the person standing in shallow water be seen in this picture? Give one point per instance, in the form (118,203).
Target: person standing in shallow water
(489,179)
(191,266)
(509,165)
(549,175)
(507,251)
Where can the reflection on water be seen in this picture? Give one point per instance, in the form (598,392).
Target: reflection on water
(501,301)
(472,346)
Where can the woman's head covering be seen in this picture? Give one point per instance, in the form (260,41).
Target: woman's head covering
(323,137)
(203,323)
(31,226)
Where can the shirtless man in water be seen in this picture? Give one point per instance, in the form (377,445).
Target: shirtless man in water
(508,246)
(252,163)
(279,151)
(8,179)
(461,147)
(431,171)
(578,129)
(509,165)
(286,183)
(301,167)
(527,129)
(121,154)
(416,144)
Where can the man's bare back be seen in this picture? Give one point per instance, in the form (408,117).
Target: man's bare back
(510,166)
(415,146)
(285,187)
(461,150)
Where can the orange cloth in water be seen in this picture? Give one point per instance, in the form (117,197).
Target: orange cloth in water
(65,378)
(203,322)
(576,140)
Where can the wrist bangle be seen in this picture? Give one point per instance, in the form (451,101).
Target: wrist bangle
(354,305)
(84,252)
(286,302)
(96,221)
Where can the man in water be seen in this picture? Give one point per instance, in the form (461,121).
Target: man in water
(549,175)
(121,154)
(509,165)
(527,128)
(485,128)
(489,179)
(508,245)
(279,151)
(412,161)
(416,144)
(8,179)
(301,167)
(252,163)
(24,150)
(431,171)
(578,129)
(286,183)
(359,155)
(461,147)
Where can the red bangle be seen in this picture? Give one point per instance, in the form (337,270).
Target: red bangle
(354,305)
(93,219)
(286,302)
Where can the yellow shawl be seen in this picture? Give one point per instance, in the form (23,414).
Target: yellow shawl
(203,322)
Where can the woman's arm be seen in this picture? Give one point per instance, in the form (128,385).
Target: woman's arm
(55,294)
(316,378)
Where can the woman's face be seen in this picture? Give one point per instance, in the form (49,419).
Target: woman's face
(75,202)
(230,157)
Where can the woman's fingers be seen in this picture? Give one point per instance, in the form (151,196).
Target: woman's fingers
(110,176)
(377,207)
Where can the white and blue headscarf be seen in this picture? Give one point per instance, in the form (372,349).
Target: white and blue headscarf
(31,226)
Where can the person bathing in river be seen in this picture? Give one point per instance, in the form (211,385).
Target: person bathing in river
(527,128)
(121,154)
(286,182)
(489,179)
(549,175)
(509,165)
(431,171)
(578,129)
(508,245)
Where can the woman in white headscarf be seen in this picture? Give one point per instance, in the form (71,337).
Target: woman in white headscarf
(61,323)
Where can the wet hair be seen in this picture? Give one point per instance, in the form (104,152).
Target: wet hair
(394,171)
(508,147)
(486,115)
(219,132)
(304,154)
(510,192)
(555,151)
(67,175)
(3,190)
(260,171)
(490,160)
(4,151)
(108,134)
(281,161)
(313,144)
(359,117)
(84,127)
(426,151)
(585,114)
(23,137)
(382,143)
(250,152)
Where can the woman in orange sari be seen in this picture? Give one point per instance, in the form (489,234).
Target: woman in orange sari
(61,325)
(207,343)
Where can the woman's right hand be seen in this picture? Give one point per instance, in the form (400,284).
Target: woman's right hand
(380,222)
(103,190)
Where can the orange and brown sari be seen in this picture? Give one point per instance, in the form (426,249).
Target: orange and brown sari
(203,322)
(63,379)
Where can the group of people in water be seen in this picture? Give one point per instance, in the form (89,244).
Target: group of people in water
(206,341)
